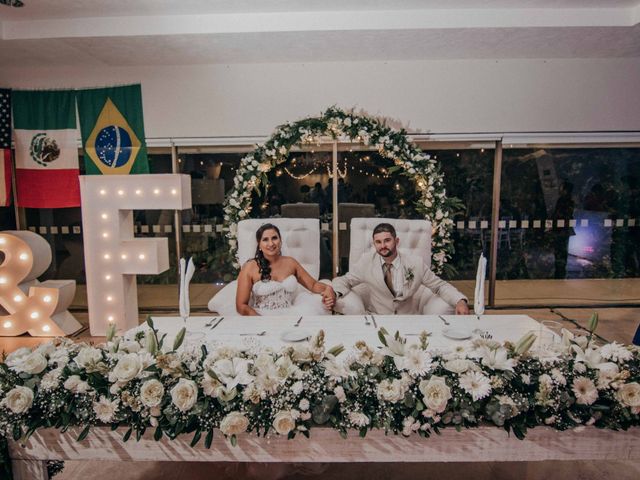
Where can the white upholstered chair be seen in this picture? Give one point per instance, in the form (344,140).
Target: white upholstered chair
(415,240)
(301,240)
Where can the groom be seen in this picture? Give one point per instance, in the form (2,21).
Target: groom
(393,280)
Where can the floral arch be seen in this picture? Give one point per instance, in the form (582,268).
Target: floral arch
(392,144)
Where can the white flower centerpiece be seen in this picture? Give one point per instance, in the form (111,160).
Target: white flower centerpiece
(403,388)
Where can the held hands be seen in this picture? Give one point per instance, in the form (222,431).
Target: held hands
(328,298)
(462,307)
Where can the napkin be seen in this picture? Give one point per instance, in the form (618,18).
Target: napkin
(186,272)
(478,297)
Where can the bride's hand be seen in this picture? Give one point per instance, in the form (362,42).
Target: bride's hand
(328,298)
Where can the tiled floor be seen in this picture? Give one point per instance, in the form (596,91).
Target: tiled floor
(384,471)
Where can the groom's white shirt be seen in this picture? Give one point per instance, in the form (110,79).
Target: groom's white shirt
(410,272)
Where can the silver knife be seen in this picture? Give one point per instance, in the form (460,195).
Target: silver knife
(217,323)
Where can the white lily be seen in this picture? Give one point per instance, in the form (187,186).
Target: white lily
(590,356)
(498,359)
(232,372)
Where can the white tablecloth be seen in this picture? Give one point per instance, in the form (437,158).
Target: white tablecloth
(340,329)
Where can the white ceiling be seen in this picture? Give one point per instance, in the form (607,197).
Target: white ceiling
(171,32)
(47,9)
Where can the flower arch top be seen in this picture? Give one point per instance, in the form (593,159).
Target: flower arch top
(392,144)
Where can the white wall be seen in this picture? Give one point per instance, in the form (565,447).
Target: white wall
(429,96)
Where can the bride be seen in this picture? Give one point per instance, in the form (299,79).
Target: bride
(268,283)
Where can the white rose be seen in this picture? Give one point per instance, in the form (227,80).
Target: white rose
(436,393)
(76,385)
(304,404)
(33,363)
(629,395)
(284,422)
(127,368)
(59,357)
(18,399)
(151,393)
(88,356)
(184,394)
(17,356)
(105,409)
(234,423)
(391,391)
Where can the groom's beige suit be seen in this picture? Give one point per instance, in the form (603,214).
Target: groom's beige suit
(415,272)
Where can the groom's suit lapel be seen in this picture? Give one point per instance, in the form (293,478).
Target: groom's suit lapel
(407,287)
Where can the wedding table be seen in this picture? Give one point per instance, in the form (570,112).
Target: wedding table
(341,329)
(482,444)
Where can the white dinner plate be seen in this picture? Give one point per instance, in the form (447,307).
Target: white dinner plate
(456,333)
(295,335)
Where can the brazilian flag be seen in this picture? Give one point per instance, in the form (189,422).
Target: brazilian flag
(112,128)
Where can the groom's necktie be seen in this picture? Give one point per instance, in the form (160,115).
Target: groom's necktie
(388,277)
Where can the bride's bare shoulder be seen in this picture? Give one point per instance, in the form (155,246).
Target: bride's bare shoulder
(290,260)
(251,266)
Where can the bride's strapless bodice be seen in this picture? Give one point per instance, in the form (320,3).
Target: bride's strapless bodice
(272,295)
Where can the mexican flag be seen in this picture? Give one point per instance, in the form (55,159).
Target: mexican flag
(112,127)
(46,136)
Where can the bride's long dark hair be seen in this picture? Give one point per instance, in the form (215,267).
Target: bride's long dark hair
(263,264)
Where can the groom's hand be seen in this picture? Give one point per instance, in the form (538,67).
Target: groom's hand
(462,307)
(328,298)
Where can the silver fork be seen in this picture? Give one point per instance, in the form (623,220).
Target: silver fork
(210,322)
(297,324)
(444,320)
(366,320)
(261,334)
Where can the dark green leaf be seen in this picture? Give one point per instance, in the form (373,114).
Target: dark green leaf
(196,438)
(84,433)
(208,439)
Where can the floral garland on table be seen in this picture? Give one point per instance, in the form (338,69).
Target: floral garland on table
(402,388)
(392,144)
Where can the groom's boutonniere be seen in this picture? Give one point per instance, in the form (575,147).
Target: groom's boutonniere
(408,275)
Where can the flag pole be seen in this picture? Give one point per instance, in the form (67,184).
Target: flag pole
(14,193)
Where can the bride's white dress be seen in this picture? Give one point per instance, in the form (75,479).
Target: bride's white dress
(285,298)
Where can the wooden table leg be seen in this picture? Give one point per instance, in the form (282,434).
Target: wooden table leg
(29,470)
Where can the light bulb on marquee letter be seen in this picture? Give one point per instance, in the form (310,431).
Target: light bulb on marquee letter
(108,202)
